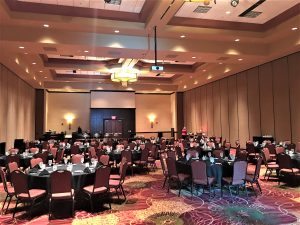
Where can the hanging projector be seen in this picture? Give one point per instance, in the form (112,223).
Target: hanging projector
(157,68)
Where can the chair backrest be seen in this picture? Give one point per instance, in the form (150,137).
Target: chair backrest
(199,170)
(92,152)
(163,146)
(3,178)
(178,152)
(76,159)
(242,155)
(148,145)
(13,158)
(239,172)
(104,159)
(171,154)
(12,166)
(132,145)
(102,177)
(144,155)
(60,155)
(291,146)
(266,155)
(53,151)
(60,181)
(153,151)
(271,148)
(34,150)
(123,170)
(127,154)
(171,166)
(43,156)
(74,149)
(257,167)
(20,182)
(163,163)
(250,147)
(45,145)
(227,145)
(35,161)
(284,161)
(218,153)
(279,150)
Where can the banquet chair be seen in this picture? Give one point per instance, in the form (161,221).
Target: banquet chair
(279,150)
(74,149)
(143,162)
(118,183)
(180,178)
(76,159)
(100,186)
(270,166)
(250,148)
(104,159)
(218,153)
(132,146)
(242,155)
(22,192)
(253,178)
(12,166)
(35,161)
(127,154)
(153,156)
(118,176)
(272,150)
(59,156)
(92,153)
(60,189)
(291,146)
(34,150)
(13,158)
(199,176)
(43,156)
(53,151)
(8,188)
(45,145)
(285,166)
(162,159)
(238,178)
(178,152)
(171,154)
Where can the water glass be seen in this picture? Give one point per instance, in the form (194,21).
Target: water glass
(50,162)
(54,167)
(65,160)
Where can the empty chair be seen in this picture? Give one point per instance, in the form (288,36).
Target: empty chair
(43,156)
(279,150)
(250,148)
(164,168)
(253,178)
(34,150)
(173,176)
(13,158)
(178,152)
(61,189)
(104,159)
(22,191)
(142,163)
(199,176)
(74,149)
(118,183)
(238,178)
(127,154)
(12,166)
(59,156)
(242,155)
(132,146)
(9,190)
(77,159)
(171,154)
(270,166)
(285,166)
(153,156)
(100,186)
(272,150)
(53,151)
(35,161)
(118,176)
(92,153)
(218,153)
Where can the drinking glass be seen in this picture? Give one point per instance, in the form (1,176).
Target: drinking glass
(50,162)
(82,160)
(54,167)
(65,160)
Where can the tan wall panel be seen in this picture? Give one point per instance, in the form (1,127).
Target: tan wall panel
(253,102)
(294,78)
(217,108)
(281,99)
(203,109)
(233,116)
(266,99)
(224,109)
(210,110)
(242,108)
(3,103)
(193,111)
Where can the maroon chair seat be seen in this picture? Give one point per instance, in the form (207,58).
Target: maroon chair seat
(285,166)
(104,159)
(76,159)
(270,166)
(253,178)
(36,161)
(118,183)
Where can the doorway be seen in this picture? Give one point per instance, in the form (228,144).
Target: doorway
(113,128)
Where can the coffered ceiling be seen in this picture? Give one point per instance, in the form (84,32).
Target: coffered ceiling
(73,44)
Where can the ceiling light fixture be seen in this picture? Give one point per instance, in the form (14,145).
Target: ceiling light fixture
(182,36)
(86,51)
(194,57)
(295,28)
(33,63)
(124,75)
(240,59)
(228,12)
(117,31)
(234,3)
(21,47)
(46,25)
(237,40)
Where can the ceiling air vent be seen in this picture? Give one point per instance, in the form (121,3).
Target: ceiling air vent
(113,2)
(252,14)
(223,58)
(115,53)
(202,9)
(171,56)
(50,49)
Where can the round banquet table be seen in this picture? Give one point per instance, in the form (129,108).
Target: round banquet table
(80,177)
(24,159)
(115,155)
(219,169)
(296,160)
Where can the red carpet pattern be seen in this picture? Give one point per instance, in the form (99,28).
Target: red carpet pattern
(147,203)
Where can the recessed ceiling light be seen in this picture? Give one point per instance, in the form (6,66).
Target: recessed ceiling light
(22,47)
(41,71)
(117,31)
(209,77)
(33,63)
(184,86)
(25,53)
(220,63)
(191,76)
(45,77)
(86,51)
(194,57)
(40,83)
(237,40)
(204,70)
(295,28)
(34,78)
(240,59)
(196,82)
(182,36)
(227,12)
(99,82)
(46,25)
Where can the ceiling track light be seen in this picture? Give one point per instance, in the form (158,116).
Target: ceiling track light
(234,3)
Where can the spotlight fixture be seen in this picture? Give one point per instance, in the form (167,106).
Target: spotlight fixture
(234,3)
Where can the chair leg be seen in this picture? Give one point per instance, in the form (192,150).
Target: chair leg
(123,191)
(253,189)
(117,193)
(180,186)
(169,183)
(91,203)
(164,182)
(15,208)
(109,200)
(50,210)
(4,202)
(258,185)
(10,197)
(192,184)
(247,191)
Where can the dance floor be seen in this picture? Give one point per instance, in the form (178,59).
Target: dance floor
(147,203)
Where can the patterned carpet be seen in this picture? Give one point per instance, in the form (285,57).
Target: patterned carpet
(147,203)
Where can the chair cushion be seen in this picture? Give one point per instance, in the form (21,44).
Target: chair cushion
(34,193)
(227,180)
(273,166)
(114,183)
(115,177)
(140,162)
(10,190)
(207,181)
(63,195)
(295,170)
(182,176)
(89,189)
(249,178)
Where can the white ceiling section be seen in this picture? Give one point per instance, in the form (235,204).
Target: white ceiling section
(44,44)
(269,9)
(133,6)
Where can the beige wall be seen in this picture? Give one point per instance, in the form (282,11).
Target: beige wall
(259,101)
(17,108)
(60,104)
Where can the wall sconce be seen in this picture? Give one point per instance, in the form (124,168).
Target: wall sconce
(69,117)
(151,118)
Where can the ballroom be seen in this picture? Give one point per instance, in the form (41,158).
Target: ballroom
(150,112)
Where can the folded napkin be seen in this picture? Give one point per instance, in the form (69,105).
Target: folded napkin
(44,172)
(37,166)
(34,170)
(87,170)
